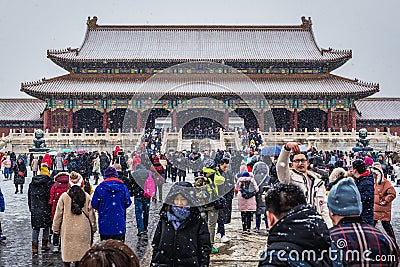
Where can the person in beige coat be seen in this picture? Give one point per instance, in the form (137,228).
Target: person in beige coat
(75,222)
(310,182)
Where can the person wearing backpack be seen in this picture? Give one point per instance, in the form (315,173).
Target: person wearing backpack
(140,177)
(247,189)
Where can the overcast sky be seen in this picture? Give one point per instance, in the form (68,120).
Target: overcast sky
(369,28)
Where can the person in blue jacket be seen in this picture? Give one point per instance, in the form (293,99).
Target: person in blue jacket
(2,208)
(111,199)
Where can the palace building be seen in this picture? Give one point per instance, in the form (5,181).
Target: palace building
(151,72)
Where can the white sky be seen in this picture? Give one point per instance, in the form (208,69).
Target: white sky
(369,28)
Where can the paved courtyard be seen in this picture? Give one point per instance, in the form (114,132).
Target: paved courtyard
(242,250)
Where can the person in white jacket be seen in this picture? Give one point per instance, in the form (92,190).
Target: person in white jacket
(310,182)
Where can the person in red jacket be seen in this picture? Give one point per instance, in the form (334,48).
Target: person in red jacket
(60,186)
(160,178)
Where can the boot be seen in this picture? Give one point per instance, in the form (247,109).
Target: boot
(35,246)
(45,245)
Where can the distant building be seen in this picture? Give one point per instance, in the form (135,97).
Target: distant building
(379,113)
(19,114)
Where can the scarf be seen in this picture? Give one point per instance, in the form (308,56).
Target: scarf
(178,216)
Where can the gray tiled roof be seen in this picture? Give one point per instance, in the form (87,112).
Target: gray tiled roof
(15,109)
(85,84)
(378,109)
(213,42)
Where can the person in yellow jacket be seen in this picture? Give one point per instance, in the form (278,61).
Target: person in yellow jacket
(214,179)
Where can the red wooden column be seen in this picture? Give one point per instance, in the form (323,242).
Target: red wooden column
(174,122)
(262,120)
(138,121)
(105,120)
(329,118)
(226,119)
(323,122)
(352,119)
(70,124)
(47,120)
(295,119)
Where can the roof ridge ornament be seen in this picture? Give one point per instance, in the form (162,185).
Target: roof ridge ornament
(306,23)
(92,23)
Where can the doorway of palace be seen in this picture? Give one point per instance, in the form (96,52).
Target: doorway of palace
(201,128)
(88,119)
(249,116)
(150,116)
(311,119)
(116,119)
(281,118)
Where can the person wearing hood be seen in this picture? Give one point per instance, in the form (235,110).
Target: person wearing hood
(261,175)
(35,165)
(20,173)
(384,194)
(364,180)
(181,237)
(47,159)
(247,205)
(111,199)
(159,176)
(356,242)
(38,202)
(60,186)
(295,226)
(96,168)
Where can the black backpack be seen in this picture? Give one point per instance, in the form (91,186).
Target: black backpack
(247,189)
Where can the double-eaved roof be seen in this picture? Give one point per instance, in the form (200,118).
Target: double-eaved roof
(21,109)
(125,49)
(76,85)
(207,42)
(378,109)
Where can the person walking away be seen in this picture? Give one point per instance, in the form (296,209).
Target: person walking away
(96,169)
(181,237)
(2,209)
(60,186)
(20,173)
(75,221)
(142,202)
(247,189)
(295,229)
(384,194)
(104,162)
(38,199)
(111,199)
(7,168)
(364,180)
(310,182)
(357,242)
(35,165)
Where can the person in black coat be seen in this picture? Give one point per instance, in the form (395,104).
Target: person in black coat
(19,174)
(182,237)
(38,198)
(295,227)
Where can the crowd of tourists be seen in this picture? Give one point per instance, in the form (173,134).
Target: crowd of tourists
(302,200)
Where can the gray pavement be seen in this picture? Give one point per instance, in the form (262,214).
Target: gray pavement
(242,250)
